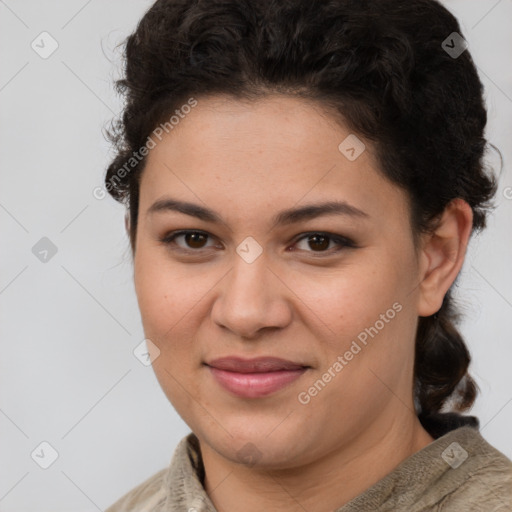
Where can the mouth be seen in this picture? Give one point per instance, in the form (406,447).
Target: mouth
(255,365)
(254,378)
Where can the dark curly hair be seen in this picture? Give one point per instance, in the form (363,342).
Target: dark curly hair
(378,65)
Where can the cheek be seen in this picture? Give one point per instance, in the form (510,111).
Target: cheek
(166,296)
(165,292)
(362,313)
(343,301)
(173,301)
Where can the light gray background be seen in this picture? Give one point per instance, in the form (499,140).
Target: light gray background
(68,326)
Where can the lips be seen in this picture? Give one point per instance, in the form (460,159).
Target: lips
(256,365)
(254,378)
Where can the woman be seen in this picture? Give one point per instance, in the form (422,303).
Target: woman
(302,179)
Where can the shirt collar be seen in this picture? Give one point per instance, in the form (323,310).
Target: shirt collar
(184,480)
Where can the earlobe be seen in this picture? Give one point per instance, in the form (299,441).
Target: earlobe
(443,255)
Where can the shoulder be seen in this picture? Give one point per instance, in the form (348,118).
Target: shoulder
(487,483)
(148,496)
(170,487)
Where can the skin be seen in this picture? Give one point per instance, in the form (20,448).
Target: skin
(247,162)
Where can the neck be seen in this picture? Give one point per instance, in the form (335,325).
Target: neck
(323,485)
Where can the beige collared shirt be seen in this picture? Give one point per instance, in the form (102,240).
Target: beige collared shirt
(457,472)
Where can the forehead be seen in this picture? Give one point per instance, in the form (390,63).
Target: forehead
(265,155)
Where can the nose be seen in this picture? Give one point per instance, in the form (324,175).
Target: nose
(252,299)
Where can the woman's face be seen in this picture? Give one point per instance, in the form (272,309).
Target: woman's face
(252,284)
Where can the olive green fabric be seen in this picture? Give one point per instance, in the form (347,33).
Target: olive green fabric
(459,471)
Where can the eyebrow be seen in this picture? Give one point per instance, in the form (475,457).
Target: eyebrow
(285,217)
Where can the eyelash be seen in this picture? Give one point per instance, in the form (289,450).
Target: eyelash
(342,241)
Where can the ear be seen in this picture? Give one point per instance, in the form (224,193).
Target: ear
(442,255)
(127,222)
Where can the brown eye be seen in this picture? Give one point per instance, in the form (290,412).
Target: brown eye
(319,243)
(193,240)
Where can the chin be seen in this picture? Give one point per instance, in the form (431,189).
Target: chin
(258,445)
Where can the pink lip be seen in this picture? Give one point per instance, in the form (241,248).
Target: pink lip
(254,378)
(255,385)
